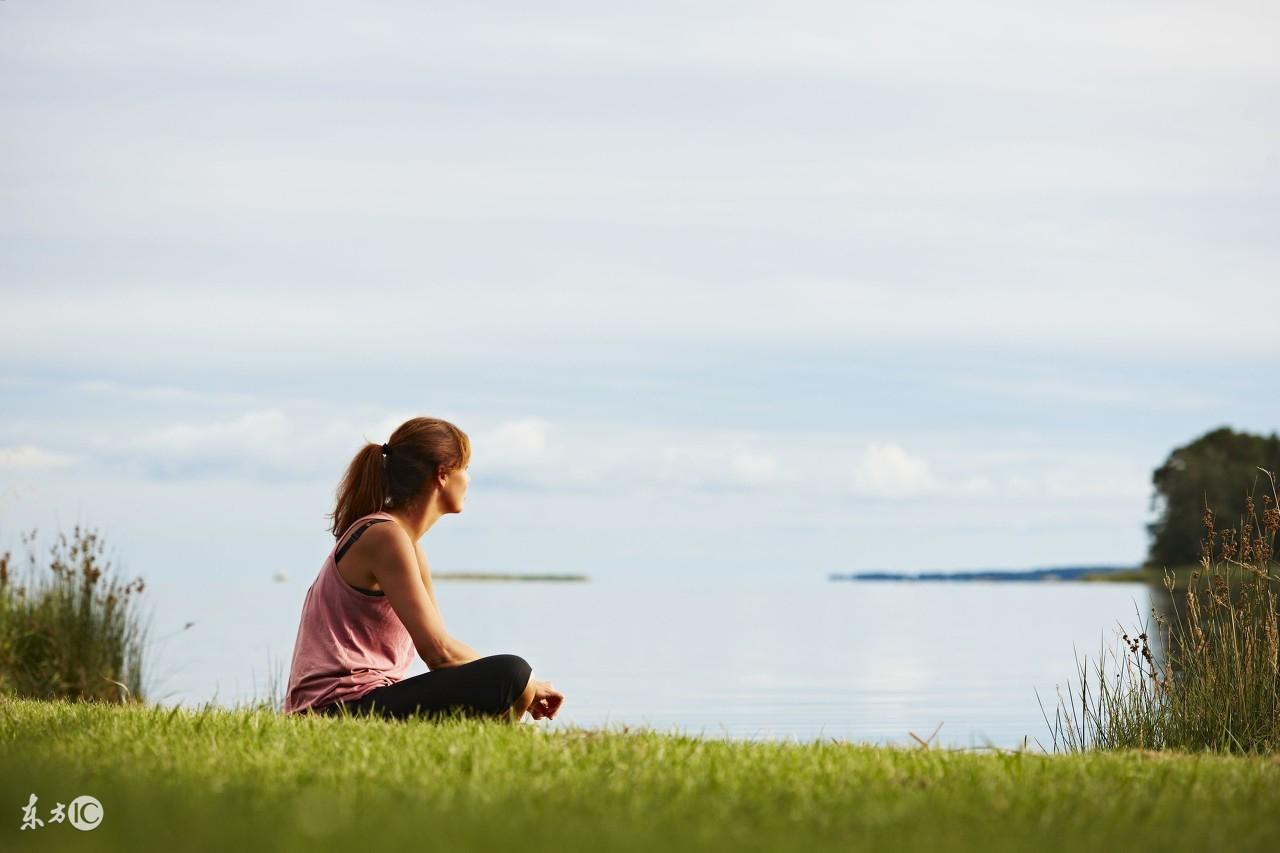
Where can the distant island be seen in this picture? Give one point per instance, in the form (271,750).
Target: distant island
(1061,573)
(495,576)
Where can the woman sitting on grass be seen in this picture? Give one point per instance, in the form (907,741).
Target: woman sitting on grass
(373,604)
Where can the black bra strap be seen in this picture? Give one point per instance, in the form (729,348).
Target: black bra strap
(359,532)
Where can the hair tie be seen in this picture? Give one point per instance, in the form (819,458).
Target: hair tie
(386,449)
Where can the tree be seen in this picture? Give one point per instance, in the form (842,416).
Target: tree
(1219,469)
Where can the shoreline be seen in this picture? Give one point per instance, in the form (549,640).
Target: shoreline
(499,576)
(1068,574)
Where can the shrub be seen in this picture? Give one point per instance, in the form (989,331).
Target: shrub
(70,630)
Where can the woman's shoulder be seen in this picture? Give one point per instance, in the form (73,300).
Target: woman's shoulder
(365,523)
(378,532)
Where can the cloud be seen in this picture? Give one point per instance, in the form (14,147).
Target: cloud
(753,468)
(906,40)
(159,393)
(531,451)
(30,457)
(918,173)
(261,431)
(313,442)
(279,443)
(621,460)
(266,442)
(1097,481)
(262,444)
(512,445)
(889,471)
(711,461)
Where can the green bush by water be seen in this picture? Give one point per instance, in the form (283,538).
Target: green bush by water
(69,629)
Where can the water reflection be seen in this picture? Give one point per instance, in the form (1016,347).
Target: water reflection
(860,661)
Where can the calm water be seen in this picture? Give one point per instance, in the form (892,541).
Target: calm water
(802,660)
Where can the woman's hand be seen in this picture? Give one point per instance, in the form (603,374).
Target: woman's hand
(546,701)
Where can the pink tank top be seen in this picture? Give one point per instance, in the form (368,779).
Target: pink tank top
(349,642)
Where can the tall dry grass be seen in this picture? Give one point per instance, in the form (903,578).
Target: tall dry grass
(69,628)
(1205,679)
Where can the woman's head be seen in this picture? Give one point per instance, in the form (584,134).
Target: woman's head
(424,455)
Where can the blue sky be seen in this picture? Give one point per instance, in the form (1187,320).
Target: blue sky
(738,290)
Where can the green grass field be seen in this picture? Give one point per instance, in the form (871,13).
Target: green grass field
(247,780)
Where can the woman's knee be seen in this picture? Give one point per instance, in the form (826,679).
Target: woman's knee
(516,672)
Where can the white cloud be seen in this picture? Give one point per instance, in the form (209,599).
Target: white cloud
(753,468)
(925,172)
(259,431)
(625,460)
(264,444)
(909,39)
(923,39)
(268,441)
(160,393)
(1103,479)
(889,471)
(787,312)
(308,443)
(516,444)
(29,457)
(711,460)
(314,442)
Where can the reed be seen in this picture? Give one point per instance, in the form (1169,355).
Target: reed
(70,629)
(1204,678)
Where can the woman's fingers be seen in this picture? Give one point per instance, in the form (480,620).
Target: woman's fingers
(546,702)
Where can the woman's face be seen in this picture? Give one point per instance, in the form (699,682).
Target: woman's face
(453,489)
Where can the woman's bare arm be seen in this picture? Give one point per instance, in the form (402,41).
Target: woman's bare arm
(460,652)
(395,565)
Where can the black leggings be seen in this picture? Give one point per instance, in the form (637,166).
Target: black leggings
(487,686)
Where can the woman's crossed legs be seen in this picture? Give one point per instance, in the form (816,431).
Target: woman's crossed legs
(497,685)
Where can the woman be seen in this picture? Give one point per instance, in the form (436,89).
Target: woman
(373,603)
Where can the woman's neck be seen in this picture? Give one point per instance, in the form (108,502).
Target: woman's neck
(417,520)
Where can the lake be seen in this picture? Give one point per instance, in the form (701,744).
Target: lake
(797,660)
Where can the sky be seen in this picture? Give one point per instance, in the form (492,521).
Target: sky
(719,291)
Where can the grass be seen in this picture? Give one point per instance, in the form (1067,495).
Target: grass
(69,628)
(252,779)
(1208,676)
